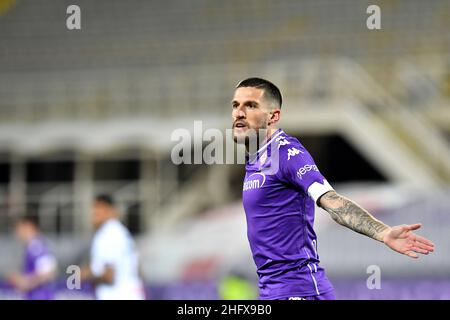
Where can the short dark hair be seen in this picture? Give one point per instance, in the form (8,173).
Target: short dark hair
(105,198)
(270,90)
(32,219)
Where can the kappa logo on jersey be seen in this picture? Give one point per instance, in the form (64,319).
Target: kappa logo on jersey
(257,182)
(293,152)
(306,168)
(281,141)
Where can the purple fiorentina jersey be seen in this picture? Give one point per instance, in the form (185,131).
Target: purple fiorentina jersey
(37,256)
(282,184)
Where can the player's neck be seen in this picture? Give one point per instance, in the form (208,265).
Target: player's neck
(260,141)
(31,236)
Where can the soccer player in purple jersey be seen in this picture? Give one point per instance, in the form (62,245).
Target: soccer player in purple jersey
(281,187)
(39,267)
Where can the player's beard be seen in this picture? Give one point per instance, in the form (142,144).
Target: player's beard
(253,137)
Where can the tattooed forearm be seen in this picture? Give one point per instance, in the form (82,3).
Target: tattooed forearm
(351,215)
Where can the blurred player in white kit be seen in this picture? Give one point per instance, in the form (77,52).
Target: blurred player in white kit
(114,264)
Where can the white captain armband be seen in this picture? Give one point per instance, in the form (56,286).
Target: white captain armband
(317,189)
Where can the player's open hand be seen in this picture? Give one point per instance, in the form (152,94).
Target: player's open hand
(403,240)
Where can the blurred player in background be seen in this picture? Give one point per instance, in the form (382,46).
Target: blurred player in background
(39,266)
(280,204)
(114,265)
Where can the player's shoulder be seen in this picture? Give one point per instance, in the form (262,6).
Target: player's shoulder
(113,230)
(283,141)
(37,246)
(289,147)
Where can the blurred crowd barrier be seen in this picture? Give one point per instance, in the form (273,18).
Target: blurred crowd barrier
(201,256)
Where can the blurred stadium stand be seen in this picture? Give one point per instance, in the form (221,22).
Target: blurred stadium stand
(89,111)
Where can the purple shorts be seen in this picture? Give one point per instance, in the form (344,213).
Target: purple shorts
(324,296)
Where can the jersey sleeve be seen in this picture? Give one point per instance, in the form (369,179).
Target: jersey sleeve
(297,167)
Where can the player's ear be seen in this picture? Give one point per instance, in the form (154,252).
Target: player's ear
(274,116)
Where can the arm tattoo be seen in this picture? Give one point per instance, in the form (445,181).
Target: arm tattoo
(349,214)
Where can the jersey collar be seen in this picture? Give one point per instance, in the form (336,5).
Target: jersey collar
(251,156)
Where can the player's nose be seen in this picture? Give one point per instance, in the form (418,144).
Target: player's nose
(239,112)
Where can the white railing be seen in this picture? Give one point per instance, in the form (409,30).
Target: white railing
(174,91)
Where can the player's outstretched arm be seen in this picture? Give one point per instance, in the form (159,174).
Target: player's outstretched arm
(398,238)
